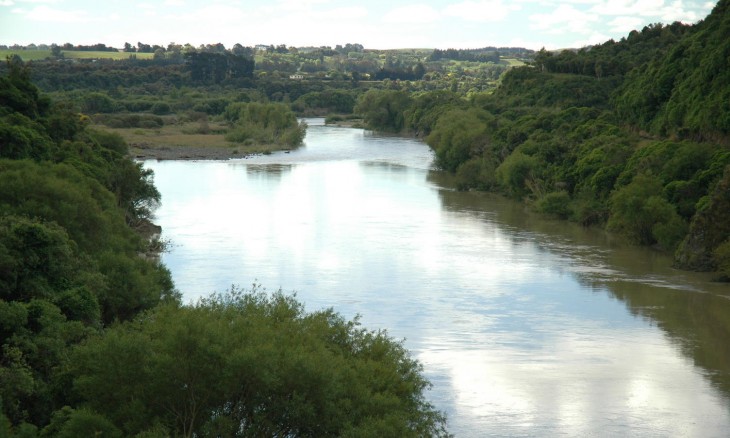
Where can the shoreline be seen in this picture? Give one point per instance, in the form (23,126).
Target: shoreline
(192,153)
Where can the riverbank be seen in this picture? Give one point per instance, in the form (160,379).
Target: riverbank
(146,151)
(187,142)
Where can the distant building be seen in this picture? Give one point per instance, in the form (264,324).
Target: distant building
(296,77)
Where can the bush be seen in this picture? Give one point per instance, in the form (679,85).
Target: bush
(458,136)
(254,364)
(97,103)
(639,212)
(161,108)
(555,204)
(145,121)
(516,173)
(264,123)
(722,259)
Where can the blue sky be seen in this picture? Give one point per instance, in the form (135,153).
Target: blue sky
(376,24)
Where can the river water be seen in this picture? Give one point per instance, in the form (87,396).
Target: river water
(525,326)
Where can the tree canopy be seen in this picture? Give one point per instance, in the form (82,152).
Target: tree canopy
(253,364)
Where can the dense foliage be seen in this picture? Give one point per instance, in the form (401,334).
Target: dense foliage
(268,123)
(684,93)
(94,339)
(69,254)
(252,365)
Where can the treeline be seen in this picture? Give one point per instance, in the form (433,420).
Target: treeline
(414,73)
(486,54)
(82,48)
(479,55)
(214,68)
(95,341)
(629,135)
(351,62)
(614,58)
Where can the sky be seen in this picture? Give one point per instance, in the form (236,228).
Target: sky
(376,24)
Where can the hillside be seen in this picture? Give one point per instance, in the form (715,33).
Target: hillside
(630,135)
(686,92)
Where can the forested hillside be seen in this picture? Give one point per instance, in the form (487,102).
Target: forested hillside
(686,92)
(632,135)
(69,253)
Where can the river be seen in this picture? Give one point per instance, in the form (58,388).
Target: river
(525,326)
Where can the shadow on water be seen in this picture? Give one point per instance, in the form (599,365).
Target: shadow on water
(396,167)
(691,309)
(268,170)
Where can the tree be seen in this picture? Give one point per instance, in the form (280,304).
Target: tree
(56,51)
(640,212)
(458,136)
(264,123)
(383,109)
(254,364)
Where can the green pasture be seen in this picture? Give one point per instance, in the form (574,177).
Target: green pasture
(512,62)
(34,55)
(26,55)
(104,55)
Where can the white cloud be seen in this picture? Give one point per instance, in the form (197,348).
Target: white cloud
(644,8)
(174,2)
(676,12)
(298,5)
(659,9)
(219,14)
(412,14)
(48,14)
(625,24)
(6,3)
(482,11)
(564,19)
(344,13)
(593,39)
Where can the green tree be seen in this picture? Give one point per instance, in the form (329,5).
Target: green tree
(709,230)
(383,109)
(253,364)
(517,173)
(639,212)
(460,135)
(264,123)
(72,423)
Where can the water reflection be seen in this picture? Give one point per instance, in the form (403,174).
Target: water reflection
(272,170)
(692,311)
(521,323)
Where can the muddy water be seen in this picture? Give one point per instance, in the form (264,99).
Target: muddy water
(525,326)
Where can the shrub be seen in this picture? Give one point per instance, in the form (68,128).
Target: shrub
(161,108)
(555,204)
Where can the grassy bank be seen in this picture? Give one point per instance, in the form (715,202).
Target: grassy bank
(187,141)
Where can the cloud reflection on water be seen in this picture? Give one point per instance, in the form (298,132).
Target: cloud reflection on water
(521,324)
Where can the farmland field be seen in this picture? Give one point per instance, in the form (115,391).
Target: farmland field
(33,55)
